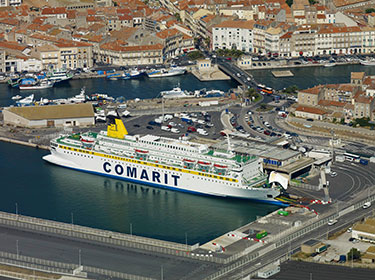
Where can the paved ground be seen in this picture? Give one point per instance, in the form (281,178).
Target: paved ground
(125,260)
(311,271)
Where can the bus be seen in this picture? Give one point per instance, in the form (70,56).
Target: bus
(265,89)
(352,157)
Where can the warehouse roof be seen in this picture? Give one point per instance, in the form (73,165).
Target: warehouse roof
(66,111)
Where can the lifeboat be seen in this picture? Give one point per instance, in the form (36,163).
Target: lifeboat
(87,139)
(204,163)
(188,160)
(141,151)
(220,166)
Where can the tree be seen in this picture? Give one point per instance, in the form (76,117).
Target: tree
(289,2)
(177,16)
(263,106)
(312,2)
(370,10)
(354,254)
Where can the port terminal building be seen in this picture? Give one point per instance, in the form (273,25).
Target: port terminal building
(50,116)
(273,157)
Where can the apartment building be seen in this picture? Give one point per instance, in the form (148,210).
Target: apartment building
(304,42)
(272,40)
(363,106)
(49,55)
(73,55)
(172,41)
(310,96)
(117,54)
(232,34)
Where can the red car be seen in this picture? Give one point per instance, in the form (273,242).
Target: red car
(191,129)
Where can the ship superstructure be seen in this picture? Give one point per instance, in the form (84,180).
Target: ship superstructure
(163,162)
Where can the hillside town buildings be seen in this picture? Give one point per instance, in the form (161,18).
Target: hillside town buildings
(339,102)
(82,33)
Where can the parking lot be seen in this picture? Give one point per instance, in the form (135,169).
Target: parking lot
(207,125)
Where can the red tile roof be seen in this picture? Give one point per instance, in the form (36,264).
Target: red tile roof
(311,110)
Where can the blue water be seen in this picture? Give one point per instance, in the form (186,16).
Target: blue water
(142,87)
(306,77)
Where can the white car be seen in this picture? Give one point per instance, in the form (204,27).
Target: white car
(165,128)
(332,222)
(172,124)
(201,122)
(333,174)
(175,130)
(366,205)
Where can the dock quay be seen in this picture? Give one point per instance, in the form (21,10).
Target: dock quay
(212,74)
(282,74)
(19,142)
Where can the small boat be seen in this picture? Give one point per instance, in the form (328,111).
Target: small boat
(39,85)
(173,71)
(27,100)
(134,73)
(330,64)
(79,98)
(176,92)
(368,62)
(16,97)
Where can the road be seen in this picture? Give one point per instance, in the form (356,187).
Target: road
(120,259)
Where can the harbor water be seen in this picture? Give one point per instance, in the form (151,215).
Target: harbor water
(306,77)
(141,87)
(35,188)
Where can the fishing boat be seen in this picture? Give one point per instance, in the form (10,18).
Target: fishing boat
(79,98)
(59,76)
(159,73)
(162,162)
(44,84)
(368,62)
(176,92)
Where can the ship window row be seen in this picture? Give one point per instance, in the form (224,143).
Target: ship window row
(215,181)
(78,154)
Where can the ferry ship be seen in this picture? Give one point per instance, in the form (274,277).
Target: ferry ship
(163,162)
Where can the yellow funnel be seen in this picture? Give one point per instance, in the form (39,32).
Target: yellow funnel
(117,129)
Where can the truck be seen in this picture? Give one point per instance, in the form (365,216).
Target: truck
(363,161)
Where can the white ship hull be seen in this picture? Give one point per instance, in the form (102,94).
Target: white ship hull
(169,73)
(157,175)
(368,63)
